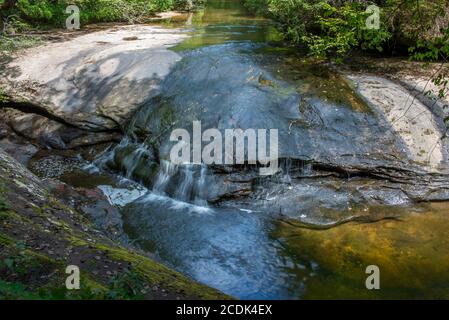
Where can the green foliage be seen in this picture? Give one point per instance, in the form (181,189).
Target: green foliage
(38,10)
(257,6)
(415,20)
(434,50)
(9,44)
(53,12)
(341,29)
(126,285)
(431,50)
(19,264)
(14,35)
(331,28)
(327,28)
(15,291)
(18,291)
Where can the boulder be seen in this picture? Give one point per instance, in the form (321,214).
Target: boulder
(94,81)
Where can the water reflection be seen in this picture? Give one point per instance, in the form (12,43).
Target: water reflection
(412,254)
(223,22)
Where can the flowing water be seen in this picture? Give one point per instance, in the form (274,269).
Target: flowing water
(290,240)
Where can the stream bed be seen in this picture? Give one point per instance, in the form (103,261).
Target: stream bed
(341,202)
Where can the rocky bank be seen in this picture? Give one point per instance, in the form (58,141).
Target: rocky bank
(67,95)
(41,234)
(83,90)
(381,142)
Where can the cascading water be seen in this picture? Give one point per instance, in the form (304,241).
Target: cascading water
(186,185)
(166,172)
(134,159)
(200,198)
(185,182)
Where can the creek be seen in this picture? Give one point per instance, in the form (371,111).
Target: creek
(343,200)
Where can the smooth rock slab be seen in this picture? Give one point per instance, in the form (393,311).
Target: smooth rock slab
(97,80)
(47,133)
(395,140)
(420,130)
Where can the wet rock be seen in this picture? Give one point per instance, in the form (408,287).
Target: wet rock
(362,154)
(94,204)
(55,166)
(56,235)
(20,177)
(224,92)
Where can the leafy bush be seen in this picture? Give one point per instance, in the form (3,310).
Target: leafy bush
(326,27)
(434,50)
(431,50)
(415,20)
(334,27)
(53,12)
(342,28)
(256,6)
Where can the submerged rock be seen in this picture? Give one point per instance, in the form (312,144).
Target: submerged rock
(411,253)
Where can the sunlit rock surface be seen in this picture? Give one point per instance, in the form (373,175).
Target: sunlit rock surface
(420,129)
(94,81)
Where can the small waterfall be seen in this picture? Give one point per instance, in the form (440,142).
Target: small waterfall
(183,182)
(186,182)
(131,161)
(200,198)
(307,169)
(133,154)
(108,155)
(166,172)
(286,177)
(186,186)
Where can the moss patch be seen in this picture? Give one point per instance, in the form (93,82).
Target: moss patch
(40,236)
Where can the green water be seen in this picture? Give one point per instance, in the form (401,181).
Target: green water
(412,255)
(227,22)
(223,22)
